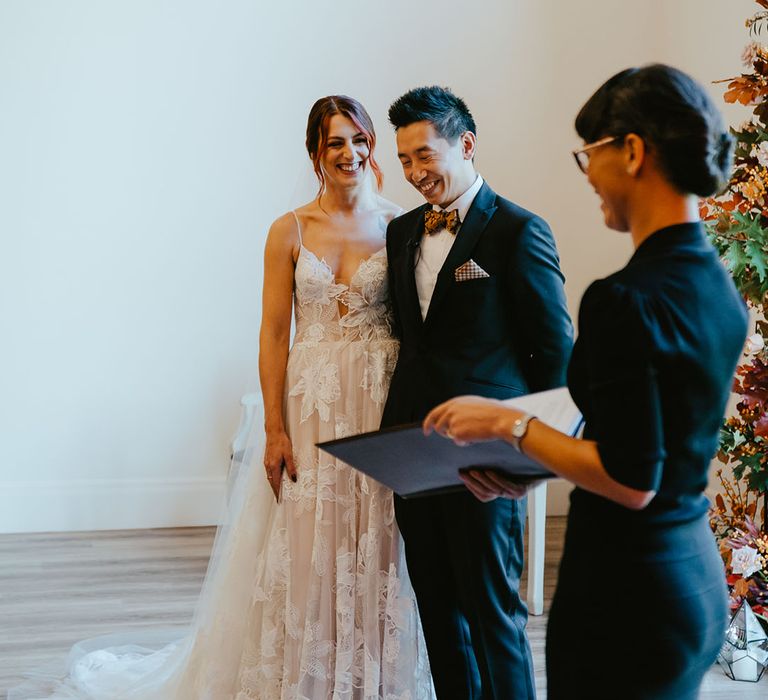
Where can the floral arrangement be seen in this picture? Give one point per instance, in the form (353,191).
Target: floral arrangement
(737,224)
(744,436)
(743,546)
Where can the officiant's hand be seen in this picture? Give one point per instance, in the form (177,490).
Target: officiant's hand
(488,485)
(278,455)
(467,419)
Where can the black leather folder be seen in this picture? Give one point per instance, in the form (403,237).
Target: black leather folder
(412,464)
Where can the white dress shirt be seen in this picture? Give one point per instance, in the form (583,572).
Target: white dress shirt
(434,248)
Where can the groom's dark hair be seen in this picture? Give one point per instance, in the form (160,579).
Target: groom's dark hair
(438,105)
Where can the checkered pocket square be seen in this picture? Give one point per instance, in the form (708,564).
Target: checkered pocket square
(470,270)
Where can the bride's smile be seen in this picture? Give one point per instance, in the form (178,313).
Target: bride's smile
(347,150)
(350,167)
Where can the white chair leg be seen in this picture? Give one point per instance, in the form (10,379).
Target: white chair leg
(537,523)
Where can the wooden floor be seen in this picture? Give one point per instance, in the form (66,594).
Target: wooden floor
(58,588)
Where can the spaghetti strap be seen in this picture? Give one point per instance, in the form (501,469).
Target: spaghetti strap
(298,226)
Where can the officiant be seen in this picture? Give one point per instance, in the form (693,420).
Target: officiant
(641,590)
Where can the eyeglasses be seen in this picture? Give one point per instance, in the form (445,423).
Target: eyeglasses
(582,155)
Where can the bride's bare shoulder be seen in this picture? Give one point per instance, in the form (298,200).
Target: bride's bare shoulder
(307,214)
(284,233)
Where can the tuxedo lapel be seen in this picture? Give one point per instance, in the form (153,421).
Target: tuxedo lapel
(408,271)
(472,227)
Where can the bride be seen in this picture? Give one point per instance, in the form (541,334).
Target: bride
(306,596)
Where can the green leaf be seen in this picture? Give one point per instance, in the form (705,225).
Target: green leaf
(751,224)
(735,258)
(758,480)
(756,254)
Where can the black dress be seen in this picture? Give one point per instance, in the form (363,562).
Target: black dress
(640,607)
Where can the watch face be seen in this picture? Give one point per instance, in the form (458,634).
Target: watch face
(520,427)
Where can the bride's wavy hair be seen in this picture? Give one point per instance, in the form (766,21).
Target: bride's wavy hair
(317,132)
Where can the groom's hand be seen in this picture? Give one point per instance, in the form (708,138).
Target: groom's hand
(487,485)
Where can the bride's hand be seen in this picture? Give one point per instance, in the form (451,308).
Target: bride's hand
(278,454)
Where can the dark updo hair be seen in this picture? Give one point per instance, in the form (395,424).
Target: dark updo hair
(438,105)
(673,114)
(319,121)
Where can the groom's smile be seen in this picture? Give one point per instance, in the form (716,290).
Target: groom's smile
(440,170)
(426,188)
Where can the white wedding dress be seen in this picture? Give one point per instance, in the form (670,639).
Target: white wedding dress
(308,599)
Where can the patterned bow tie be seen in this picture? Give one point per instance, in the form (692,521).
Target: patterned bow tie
(435,221)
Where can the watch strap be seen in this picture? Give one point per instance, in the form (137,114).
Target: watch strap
(520,429)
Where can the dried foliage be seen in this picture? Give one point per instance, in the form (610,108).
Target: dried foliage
(737,224)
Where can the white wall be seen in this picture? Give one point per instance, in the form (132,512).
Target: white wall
(146,146)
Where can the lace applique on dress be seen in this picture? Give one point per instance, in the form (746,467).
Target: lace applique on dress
(336,617)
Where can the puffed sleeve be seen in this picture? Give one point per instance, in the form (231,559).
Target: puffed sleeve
(625,417)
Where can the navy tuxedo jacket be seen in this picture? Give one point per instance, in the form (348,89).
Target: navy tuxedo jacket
(499,336)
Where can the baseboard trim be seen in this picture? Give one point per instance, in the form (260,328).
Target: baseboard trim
(109,504)
(130,504)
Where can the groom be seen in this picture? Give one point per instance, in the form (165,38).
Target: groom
(479,308)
